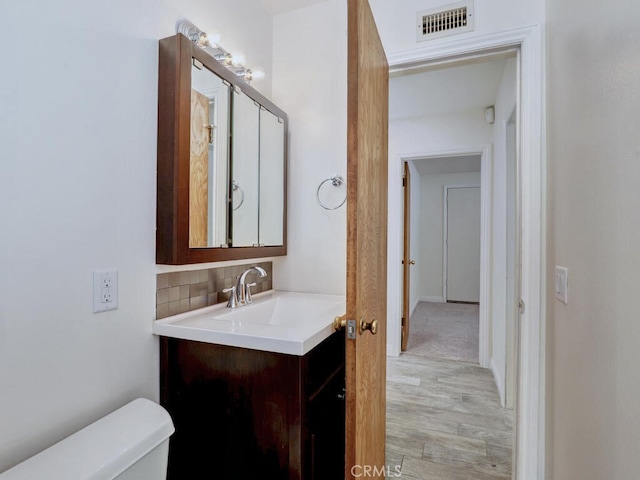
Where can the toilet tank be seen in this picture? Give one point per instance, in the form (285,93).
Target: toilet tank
(130,443)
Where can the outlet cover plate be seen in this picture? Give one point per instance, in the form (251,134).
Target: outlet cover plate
(105,290)
(562,284)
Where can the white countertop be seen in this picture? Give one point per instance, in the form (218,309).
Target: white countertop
(282,322)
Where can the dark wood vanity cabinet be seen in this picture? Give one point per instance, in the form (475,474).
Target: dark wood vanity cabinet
(249,414)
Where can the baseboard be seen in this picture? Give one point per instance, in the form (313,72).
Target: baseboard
(432,299)
(413,307)
(499,381)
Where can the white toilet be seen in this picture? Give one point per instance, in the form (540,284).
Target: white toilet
(130,443)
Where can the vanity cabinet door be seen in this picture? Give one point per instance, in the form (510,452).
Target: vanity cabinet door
(248,414)
(325,409)
(326,419)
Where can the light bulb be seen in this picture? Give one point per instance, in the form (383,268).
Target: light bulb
(214,39)
(256,73)
(238,59)
(202,39)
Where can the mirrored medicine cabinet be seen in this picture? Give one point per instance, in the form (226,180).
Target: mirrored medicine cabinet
(222,162)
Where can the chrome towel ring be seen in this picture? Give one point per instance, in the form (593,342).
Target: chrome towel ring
(336,181)
(236,187)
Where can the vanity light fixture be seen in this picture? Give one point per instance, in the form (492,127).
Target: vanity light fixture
(235,62)
(257,73)
(224,58)
(249,74)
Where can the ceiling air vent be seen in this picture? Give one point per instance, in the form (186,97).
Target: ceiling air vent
(446,20)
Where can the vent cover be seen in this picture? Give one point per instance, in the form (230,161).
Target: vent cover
(443,21)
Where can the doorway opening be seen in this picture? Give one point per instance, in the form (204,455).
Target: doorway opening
(529,372)
(456,230)
(444,227)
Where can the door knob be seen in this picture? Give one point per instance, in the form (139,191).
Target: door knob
(340,322)
(371,326)
(412,262)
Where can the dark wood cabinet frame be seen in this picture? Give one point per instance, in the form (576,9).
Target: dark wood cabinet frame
(174,110)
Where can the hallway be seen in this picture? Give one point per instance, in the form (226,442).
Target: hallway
(445,331)
(445,422)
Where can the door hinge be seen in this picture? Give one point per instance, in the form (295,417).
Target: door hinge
(404,181)
(403,321)
(521,306)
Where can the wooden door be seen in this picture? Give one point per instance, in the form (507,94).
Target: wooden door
(199,171)
(368,88)
(406,262)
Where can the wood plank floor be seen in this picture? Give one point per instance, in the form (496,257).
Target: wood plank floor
(445,422)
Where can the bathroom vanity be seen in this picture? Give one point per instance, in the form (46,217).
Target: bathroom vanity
(257,392)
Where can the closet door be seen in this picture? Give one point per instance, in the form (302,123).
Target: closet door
(463,244)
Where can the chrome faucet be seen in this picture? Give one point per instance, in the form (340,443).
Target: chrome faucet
(241,292)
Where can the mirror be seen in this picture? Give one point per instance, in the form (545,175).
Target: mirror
(221,162)
(245,171)
(271,224)
(208,159)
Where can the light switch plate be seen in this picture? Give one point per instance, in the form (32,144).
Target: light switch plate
(562,284)
(105,290)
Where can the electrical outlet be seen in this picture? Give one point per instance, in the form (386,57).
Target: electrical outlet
(105,290)
(106,295)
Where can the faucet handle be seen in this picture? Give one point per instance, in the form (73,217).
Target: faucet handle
(233,298)
(247,292)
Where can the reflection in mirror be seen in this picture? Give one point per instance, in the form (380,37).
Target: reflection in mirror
(245,171)
(208,159)
(271,178)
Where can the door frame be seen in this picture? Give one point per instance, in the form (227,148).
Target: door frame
(529,446)
(486,194)
(445,233)
(406,257)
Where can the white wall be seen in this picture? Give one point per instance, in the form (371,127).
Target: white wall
(504,106)
(397,20)
(310,84)
(593,384)
(78,119)
(415,237)
(431,229)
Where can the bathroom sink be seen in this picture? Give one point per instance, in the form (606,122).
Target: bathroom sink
(292,309)
(284,322)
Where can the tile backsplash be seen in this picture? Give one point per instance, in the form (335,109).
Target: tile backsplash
(179,292)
